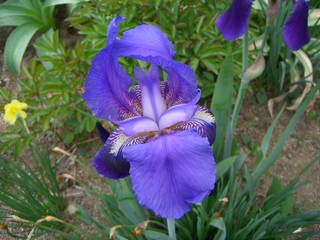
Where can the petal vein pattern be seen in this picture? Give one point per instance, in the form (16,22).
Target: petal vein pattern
(171,171)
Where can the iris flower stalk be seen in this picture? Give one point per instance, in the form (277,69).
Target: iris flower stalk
(233,23)
(163,137)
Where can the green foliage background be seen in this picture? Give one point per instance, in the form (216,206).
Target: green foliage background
(52,83)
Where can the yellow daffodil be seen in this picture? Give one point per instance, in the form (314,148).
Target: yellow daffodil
(13,110)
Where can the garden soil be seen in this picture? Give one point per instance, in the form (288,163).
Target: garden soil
(302,147)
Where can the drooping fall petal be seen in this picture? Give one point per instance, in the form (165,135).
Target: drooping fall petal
(171,171)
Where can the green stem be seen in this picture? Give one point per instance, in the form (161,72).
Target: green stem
(245,45)
(171,228)
(24,124)
(242,90)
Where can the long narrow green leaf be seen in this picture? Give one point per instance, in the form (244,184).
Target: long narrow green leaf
(219,223)
(224,165)
(13,20)
(59,2)
(266,140)
(16,45)
(9,135)
(276,151)
(221,102)
(8,11)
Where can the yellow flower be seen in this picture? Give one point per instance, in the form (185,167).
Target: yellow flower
(13,110)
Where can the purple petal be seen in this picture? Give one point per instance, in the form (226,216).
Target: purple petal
(295,31)
(113,30)
(153,104)
(144,41)
(103,133)
(234,22)
(148,43)
(181,84)
(203,122)
(109,161)
(110,165)
(107,84)
(178,113)
(137,125)
(171,171)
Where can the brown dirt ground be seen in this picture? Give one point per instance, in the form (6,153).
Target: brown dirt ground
(301,148)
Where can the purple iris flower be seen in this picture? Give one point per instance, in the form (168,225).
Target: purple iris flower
(295,31)
(163,137)
(234,22)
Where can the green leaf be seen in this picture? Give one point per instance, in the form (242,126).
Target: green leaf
(9,135)
(38,113)
(222,102)
(275,187)
(128,203)
(150,234)
(287,204)
(276,151)
(210,64)
(221,226)
(13,20)
(30,14)
(223,166)
(67,137)
(266,140)
(59,2)
(16,45)
(6,145)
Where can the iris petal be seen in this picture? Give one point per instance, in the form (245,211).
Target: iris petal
(113,29)
(295,31)
(103,133)
(234,22)
(107,84)
(203,122)
(109,160)
(148,43)
(171,171)
(178,113)
(137,125)
(110,165)
(153,103)
(181,84)
(144,41)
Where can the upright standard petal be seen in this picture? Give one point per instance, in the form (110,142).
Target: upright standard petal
(234,22)
(153,104)
(144,41)
(107,84)
(295,31)
(113,29)
(150,44)
(181,85)
(171,171)
(106,89)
